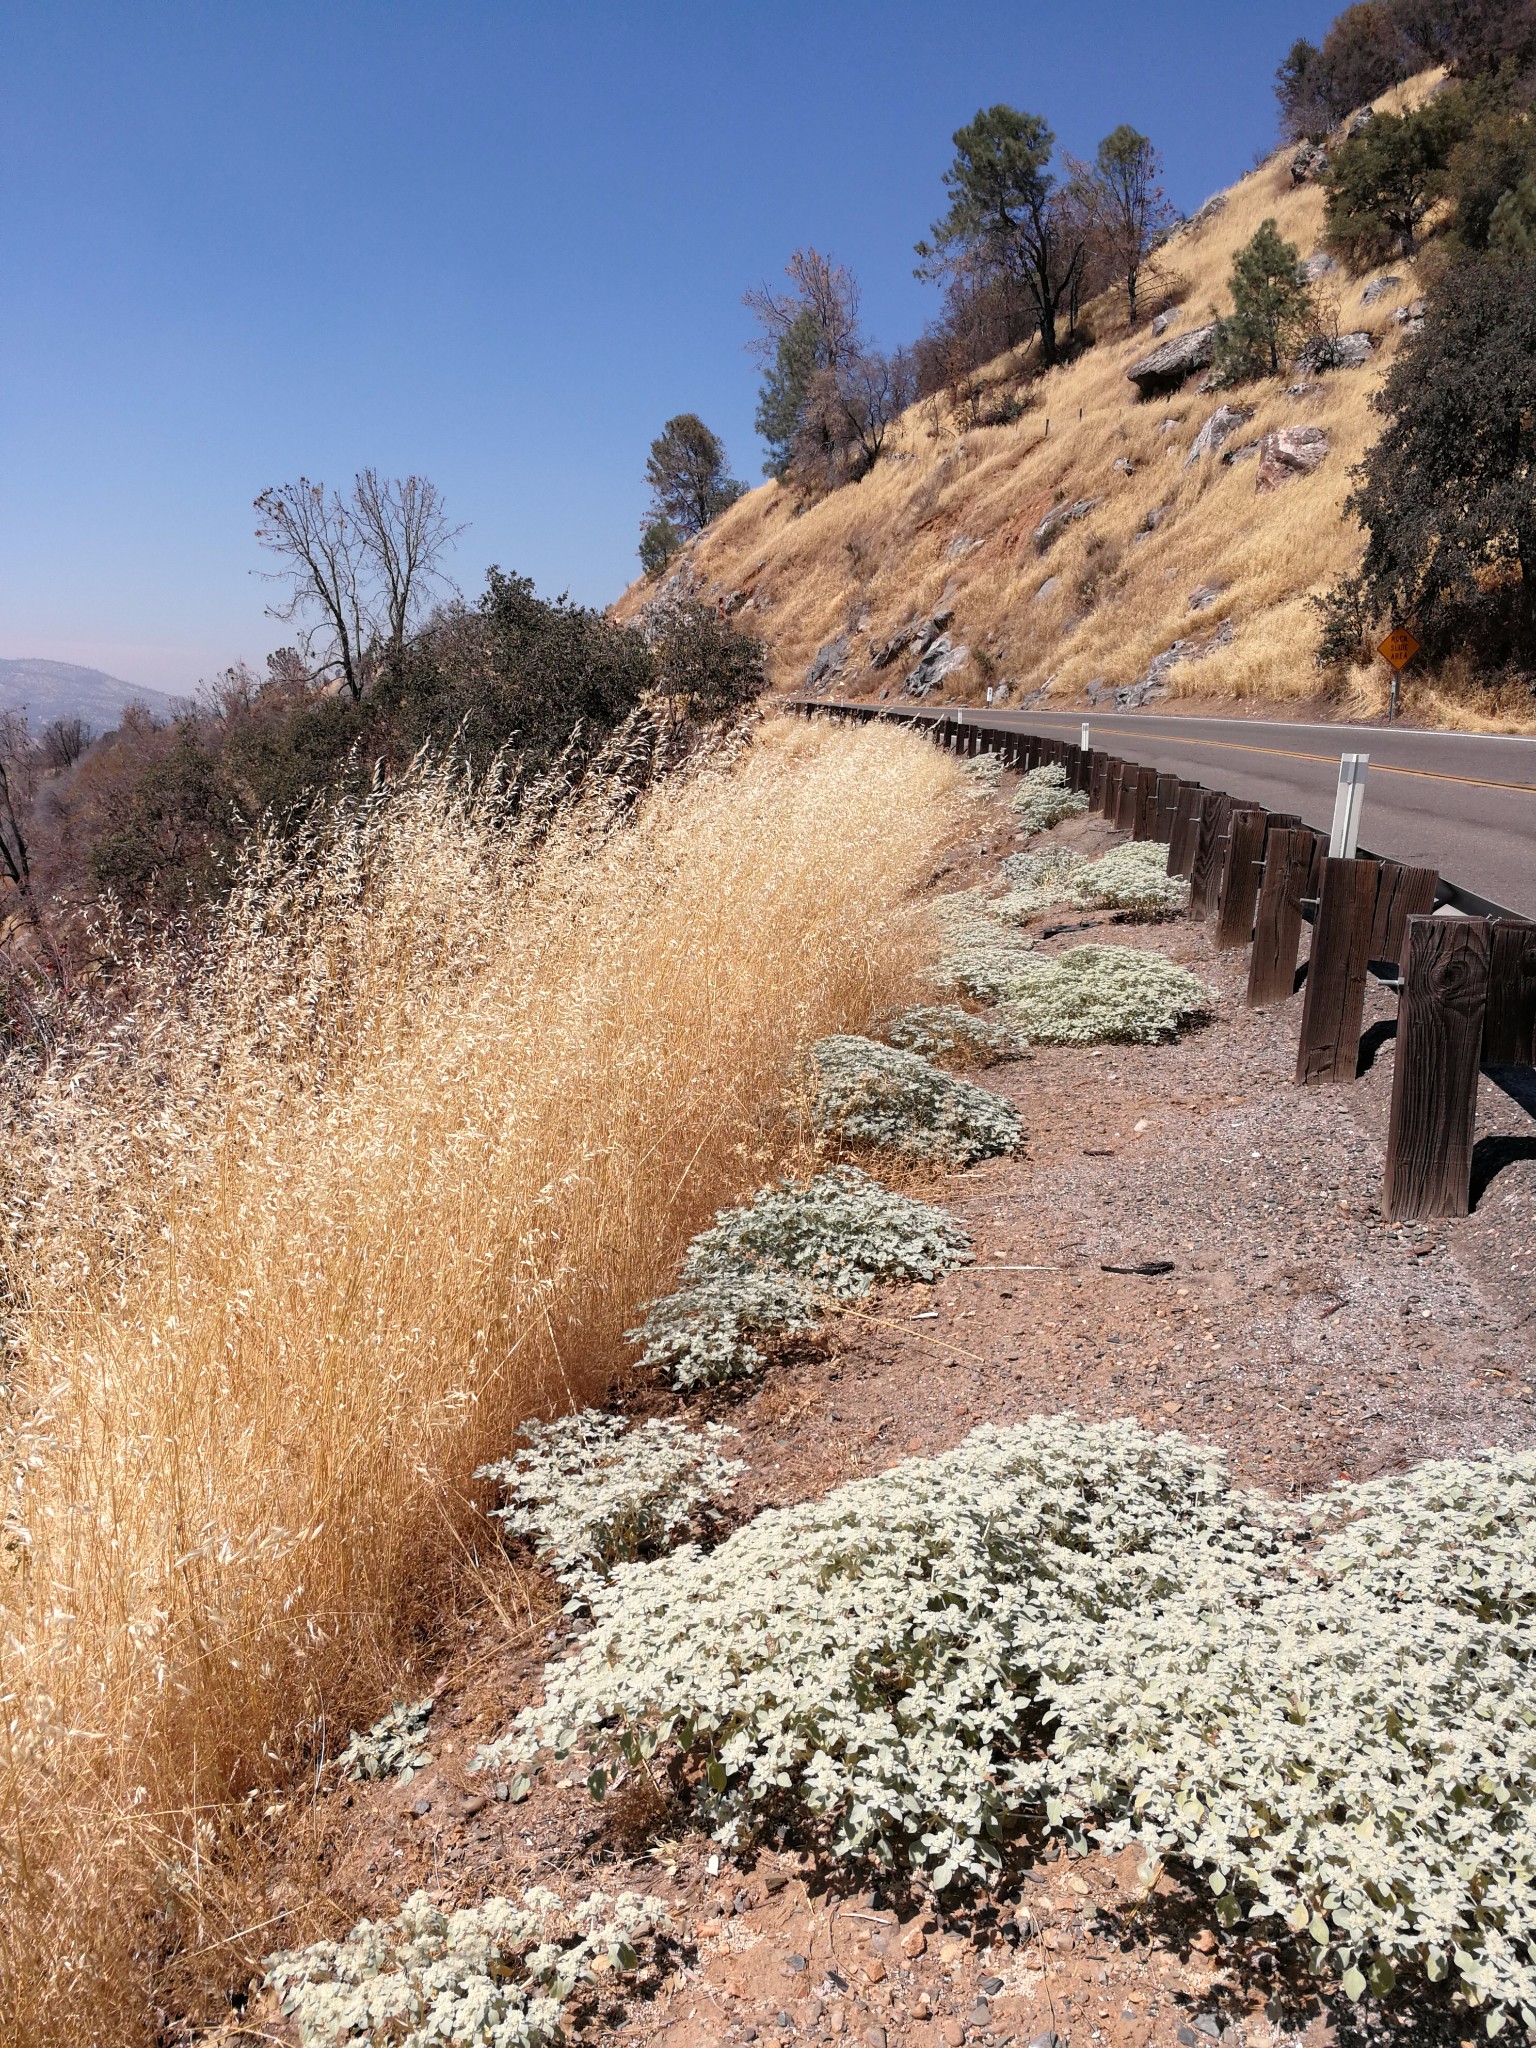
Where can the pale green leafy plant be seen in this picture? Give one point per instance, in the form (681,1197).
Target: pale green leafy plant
(939,1029)
(495,1975)
(983,774)
(1132,878)
(764,1271)
(980,955)
(1326,1713)
(591,1492)
(1043,798)
(1102,995)
(873,1094)
(394,1747)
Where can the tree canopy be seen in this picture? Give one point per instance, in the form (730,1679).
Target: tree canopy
(689,476)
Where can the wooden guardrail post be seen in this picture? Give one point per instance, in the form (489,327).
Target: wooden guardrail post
(1112,775)
(1435,1067)
(1402,893)
(1144,820)
(1185,837)
(1167,802)
(1205,872)
(1509,1029)
(1125,803)
(1237,892)
(1341,953)
(1291,860)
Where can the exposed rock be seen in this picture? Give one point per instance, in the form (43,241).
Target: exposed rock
(1162,322)
(1217,431)
(1291,451)
(1207,384)
(962,544)
(1207,213)
(1411,317)
(1202,599)
(1150,522)
(940,660)
(1166,368)
(1302,389)
(1124,466)
(1334,352)
(1309,163)
(1098,690)
(1244,453)
(1048,589)
(1378,289)
(1059,518)
(941,618)
(828,665)
(886,652)
(1320,265)
(1359,121)
(1154,683)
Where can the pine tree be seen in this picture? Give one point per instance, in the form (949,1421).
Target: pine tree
(1272,308)
(781,407)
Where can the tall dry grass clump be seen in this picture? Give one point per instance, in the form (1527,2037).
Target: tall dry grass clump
(296,1248)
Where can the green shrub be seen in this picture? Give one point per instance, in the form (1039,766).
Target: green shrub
(878,1095)
(763,1272)
(979,955)
(593,1492)
(1272,310)
(496,1975)
(1133,878)
(1325,1712)
(1098,995)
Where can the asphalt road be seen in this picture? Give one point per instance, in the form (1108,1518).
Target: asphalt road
(1464,803)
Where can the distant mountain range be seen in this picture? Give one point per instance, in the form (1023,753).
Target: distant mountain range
(61,689)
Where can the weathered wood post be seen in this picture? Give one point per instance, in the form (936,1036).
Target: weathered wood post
(1237,892)
(1435,1067)
(1290,861)
(1341,955)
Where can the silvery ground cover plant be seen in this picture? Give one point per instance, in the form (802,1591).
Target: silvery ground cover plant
(896,1101)
(980,955)
(944,1030)
(394,1747)
(1102,995)
(768,1270)
(592,1491)
(1324,1713)
(496,1975)
(1132,879)
(1043,798)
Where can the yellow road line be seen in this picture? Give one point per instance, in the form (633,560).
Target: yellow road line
(1377,767)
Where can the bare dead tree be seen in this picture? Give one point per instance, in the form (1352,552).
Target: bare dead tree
(62,741)
(18,780)
(875,390)
(827,290)
(367,564)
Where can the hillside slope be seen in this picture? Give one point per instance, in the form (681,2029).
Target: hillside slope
(1174,550)
(47,690)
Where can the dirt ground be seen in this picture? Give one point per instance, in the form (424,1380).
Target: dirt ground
(1296,1329)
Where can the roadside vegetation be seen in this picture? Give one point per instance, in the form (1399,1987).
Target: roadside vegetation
(379,1164)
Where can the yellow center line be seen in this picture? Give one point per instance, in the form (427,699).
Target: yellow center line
(1377,767)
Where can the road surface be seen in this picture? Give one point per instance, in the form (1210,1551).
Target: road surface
(1463,803)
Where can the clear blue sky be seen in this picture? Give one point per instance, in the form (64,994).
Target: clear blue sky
(494,243)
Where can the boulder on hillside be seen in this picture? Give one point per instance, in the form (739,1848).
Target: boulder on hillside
(1154,684)
(1411,317)
(1378,289)
(1059,518)
(1320,265)
(828,665)
(1169,366)
(1334,352)
(1309,164)
(940,660)
(1217,431)
(1290,452)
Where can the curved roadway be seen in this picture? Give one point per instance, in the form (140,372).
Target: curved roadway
(1463,803)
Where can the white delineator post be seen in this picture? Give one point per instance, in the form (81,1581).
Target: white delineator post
(1345,836)
(1085,735)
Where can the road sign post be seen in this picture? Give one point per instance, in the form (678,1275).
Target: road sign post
(1397,650)
(1085,736)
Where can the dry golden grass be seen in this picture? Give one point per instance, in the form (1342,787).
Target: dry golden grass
(305,1244)
(948,516)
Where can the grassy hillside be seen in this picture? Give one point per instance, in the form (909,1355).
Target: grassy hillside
(947,519)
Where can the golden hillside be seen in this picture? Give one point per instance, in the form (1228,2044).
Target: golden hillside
(947,519)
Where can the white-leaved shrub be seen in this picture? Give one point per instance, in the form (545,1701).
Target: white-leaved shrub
(591,1492)
(1103,995)
(1132,878)
(1326,1712)
(394,1747)
(980,955)
(939,1029)
(1043,798)
(983,774)
(872,1094)
(763,1271)
(496,1975)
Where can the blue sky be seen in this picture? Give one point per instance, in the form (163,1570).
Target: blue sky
(497,244)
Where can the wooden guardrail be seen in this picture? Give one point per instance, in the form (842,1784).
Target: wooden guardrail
(1466,984)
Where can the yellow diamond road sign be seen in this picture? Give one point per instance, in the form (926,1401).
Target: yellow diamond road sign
(1399,648)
